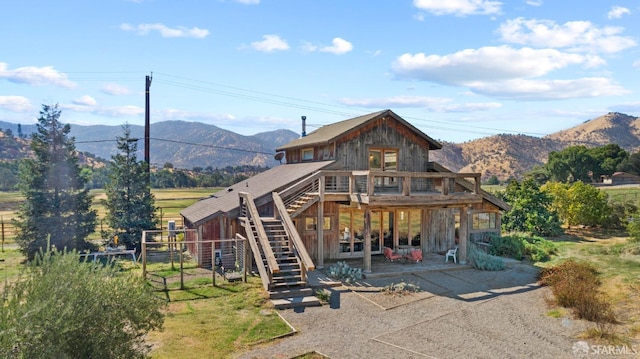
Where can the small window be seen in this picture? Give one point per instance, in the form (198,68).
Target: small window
(385,160)
(307,154)
(310,223)
(486,220)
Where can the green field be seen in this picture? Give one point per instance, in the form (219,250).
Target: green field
(169,202)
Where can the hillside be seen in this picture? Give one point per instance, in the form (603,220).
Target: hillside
(193,144)
(184,144)
(512,155)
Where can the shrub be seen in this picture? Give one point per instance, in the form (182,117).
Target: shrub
(507,246)
(633,228)
(342,271)
(61,307)
(483,261)
(576,285)
(520,245)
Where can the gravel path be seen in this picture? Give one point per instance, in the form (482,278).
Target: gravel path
(459,314)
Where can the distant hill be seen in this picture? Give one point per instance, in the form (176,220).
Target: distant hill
(508,156)
(184,144)
(193,144)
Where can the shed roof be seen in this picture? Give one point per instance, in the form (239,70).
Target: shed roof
(330,133)
(259,185)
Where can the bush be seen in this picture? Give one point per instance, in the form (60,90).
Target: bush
(342,271)
(520,246)
(576,285)
(507,246)
(633,228)
(61,307)
(483,261)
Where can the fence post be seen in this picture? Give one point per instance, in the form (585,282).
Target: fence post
(144,254)
(2,220)
(181,272)
(213,261)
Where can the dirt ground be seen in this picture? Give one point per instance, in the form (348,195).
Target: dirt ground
(462,313)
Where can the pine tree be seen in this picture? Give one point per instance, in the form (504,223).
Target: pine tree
(130,204)
(57,207)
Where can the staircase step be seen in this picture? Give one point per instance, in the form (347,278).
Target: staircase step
(296,302)
(289,293)
(277,285)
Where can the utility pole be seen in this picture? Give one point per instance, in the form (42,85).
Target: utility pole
(146,126)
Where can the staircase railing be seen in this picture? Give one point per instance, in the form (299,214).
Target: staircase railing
(253,218)
(305,186)
(294,237)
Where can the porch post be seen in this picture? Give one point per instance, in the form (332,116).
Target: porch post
(320,226)
(464,235)
(367,240)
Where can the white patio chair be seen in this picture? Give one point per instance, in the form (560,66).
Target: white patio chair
(451,253)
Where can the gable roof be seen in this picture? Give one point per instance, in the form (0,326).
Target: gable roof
(263,183)
(329,133)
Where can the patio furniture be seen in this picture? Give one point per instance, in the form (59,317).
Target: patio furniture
(414,256)
(388,254)
(451,253)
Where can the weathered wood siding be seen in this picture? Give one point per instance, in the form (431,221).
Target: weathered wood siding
(439,226)
(352,151)
(309,238)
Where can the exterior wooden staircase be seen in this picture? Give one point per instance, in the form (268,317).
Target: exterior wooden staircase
(282,261)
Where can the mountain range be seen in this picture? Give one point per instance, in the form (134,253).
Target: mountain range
(194,144)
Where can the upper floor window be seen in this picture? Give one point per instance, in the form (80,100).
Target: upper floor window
(484,220)
(383,159)
(307,154)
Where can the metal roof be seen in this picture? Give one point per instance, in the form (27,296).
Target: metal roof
(259,185)
(329,133)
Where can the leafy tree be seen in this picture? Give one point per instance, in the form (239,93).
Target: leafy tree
(530,209)
(8,175)
(579,203)
(575,163)
(57,206)
(631,164)
(97,312)
(493,180)
(129,203)
(608,158)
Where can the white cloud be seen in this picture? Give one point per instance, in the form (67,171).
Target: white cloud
(436,104)
(524,89)
(636,64)
(486,64)
(248,2)
(165,31)
(459,7)
(419,16)
(115,89)
(85,100)
(534,2)
(270,43)
(582,36)
(630,107)
(339,47)
(308,47)
(617,12)
(32,75)
(15,104)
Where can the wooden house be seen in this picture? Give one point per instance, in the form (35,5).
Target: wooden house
(347,190)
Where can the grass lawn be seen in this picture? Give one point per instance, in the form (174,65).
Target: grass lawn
(223,320)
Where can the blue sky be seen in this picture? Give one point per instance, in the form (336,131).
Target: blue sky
(456,69)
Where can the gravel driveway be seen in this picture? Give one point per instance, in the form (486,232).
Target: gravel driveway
(462,313)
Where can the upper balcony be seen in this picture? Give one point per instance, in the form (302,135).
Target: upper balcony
(378,188)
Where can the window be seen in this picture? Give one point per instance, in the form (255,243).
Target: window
(310,223)
(385,160)
(307,154)
(485,220)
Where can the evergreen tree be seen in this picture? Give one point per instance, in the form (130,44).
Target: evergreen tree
(130,204)
(57,207)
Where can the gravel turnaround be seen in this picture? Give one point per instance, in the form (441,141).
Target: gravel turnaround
(462,313)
